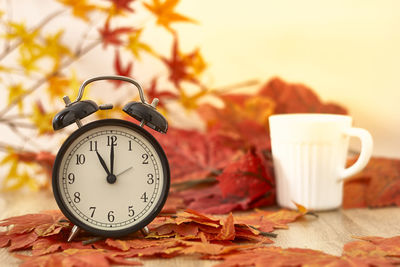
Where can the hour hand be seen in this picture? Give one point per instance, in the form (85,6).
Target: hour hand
(103,163)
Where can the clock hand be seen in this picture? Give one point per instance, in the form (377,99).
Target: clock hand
(123,171)
(112,159)
(103,163)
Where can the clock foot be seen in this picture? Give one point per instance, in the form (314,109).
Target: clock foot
(74,232)
(145,231)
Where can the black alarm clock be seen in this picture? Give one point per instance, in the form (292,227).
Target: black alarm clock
(111,177)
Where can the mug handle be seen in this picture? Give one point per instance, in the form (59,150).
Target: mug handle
(365,154)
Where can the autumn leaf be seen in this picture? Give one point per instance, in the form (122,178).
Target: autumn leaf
(135,46)
(120,70)
(374,246)
(42,119)
(54,49)
(80,8)
(15,93)
(247,179)
(194,155)
(276,256)
(375,186)
(184,67)
(152,91)
(113,36)
(20,32)
(296,98)
(165,13)
(26,229)
(122,5)
(57,86)
(76,257)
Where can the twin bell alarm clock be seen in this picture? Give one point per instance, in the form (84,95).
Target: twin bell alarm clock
(110,177)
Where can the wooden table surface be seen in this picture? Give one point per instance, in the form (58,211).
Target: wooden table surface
(329,232)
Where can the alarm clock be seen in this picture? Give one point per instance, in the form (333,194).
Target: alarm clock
(110,177)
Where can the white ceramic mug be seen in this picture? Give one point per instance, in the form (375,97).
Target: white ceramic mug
(309,153)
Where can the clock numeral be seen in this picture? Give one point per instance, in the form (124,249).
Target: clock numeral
(93,145)
(144,197)
(131,212)
(93,210)
(111,140)
(150,179)
(110,216)
(130,145)
(77,197)
(71,178)
(80,159)
(145,158)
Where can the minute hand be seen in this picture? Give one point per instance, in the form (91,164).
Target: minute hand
(112,159)
(103,163)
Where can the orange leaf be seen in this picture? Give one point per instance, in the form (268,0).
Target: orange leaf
(164,11)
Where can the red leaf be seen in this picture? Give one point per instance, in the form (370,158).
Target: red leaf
(182,67)
(194,155)
(153,92)
(123,5)
(119,69)
(113,37)
(376,186)
(246,178)
(296,98)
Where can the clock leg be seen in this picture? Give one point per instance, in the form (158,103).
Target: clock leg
(74,232)
(145,231)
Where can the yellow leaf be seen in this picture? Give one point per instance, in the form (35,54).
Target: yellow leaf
(15,180)
(20,31)
(135,45)
(54,49)
(165,13)
(190,102)
(42,119)
(80,8)
(14,94)
(28,59)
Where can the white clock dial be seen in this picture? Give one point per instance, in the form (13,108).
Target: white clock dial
(111,178)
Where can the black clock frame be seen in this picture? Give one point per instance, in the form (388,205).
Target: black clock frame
(164,191)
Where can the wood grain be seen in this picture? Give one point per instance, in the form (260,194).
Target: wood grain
(328,233)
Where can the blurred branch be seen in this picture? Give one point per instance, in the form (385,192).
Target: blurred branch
(46,20)
(43,80)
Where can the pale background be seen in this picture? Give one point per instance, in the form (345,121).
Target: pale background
(347,51)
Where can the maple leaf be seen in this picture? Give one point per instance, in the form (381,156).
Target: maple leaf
(57,86)
(135,46)
(165,13)
(276,256)
(184,67)
(80,8)
(120,70)
(20,31)
(247,179)
(194,160)
(122,5)
(243,184)
(76,257)
(42,119)
(113,37)
(26,229)
(296,98)
(376,185)
(54,49)
(153,91)
(373,246)
(15,92)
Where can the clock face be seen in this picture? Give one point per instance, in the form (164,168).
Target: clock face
(111,177)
